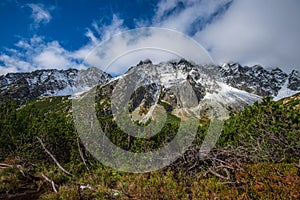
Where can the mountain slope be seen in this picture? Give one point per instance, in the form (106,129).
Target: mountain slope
(267,132)
(52,82)
(260,81)
(255,80)
(181,87)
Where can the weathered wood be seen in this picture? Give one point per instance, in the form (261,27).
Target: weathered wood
(50,181)
(81,155)
(53,158)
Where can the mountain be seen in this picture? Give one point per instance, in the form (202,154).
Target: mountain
(294,81)
(49,82)
(181,87)
(258,80)
(259,143)
(231,83)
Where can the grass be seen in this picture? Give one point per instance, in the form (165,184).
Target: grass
(254,181)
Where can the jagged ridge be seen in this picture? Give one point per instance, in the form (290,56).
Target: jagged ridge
(255,80)
(258,80)
(49,82)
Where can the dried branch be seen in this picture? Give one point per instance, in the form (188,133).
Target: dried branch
(81,155)
(53,158)
(227,183)
(227,177)
(127,194)
(20,168)
(4,166)
(50,181)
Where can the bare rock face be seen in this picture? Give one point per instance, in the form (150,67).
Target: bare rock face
(294,81)
(180,87)
(256,79)
(175,84)
(25,86)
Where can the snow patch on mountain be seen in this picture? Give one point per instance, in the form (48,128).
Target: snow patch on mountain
(229,83)
(258,80)
(25,86)
(285,92)
(230,96)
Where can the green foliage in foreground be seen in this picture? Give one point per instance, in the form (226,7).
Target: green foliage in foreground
(268,130)
(255,181)
(266,133)
(48,119)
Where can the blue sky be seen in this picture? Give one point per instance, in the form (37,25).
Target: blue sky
(66,20)
(60,34)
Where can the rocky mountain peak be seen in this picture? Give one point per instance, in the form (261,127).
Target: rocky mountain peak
(294,80)
(256,79)
(48,82)
(145,62)
(205,80)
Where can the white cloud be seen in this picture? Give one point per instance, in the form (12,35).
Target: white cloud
(250,32)
(127,49)
(98,34)
(51,59)
(180,15)
(40,14)
(166,16)
(256,32)
(163,7)
(53,56)
(13,64)
(89,34)
(107,31)
(35,53)
(5,69)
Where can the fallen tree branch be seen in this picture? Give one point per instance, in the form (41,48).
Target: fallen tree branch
(127,194)
(4,166)
(20,168)
(53,158)
(227,183)
(81,155)
(236,183)
(50,181)
(227,177)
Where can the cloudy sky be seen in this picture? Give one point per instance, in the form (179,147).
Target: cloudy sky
(61,34)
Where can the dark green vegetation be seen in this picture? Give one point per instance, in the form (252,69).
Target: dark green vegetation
(269,131)
(257,156)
